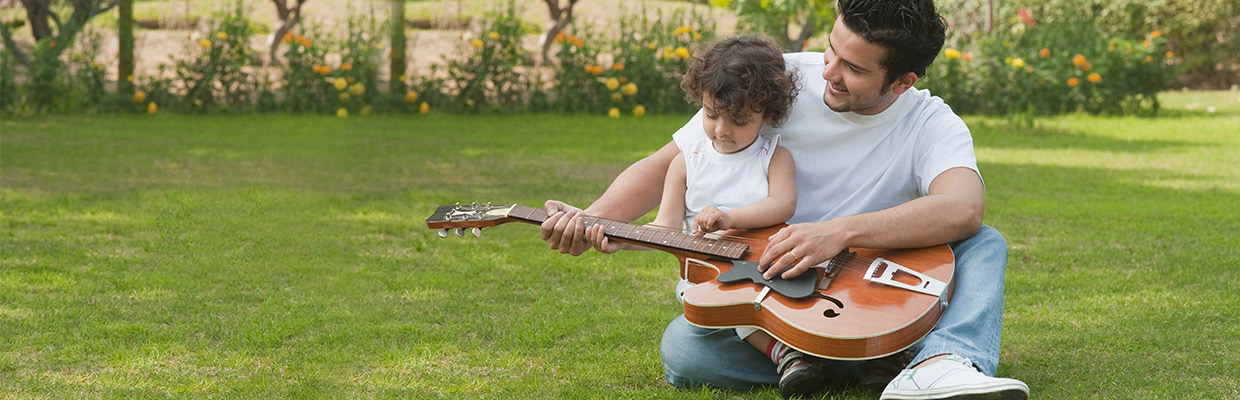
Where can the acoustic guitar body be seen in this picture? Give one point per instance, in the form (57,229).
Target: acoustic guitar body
(848,318)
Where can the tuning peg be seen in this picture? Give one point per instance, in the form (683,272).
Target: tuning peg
(443,233)
(460,232)
(477,232)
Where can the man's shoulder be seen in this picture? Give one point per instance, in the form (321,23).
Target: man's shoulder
(803,59)
(928,106)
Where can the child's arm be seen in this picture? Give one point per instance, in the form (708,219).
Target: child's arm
(776,208)
(671,210)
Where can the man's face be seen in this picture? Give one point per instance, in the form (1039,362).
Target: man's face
(855,76)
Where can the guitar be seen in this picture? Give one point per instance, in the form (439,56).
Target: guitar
(862,304)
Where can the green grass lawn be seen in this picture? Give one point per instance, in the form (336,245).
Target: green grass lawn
(287,257)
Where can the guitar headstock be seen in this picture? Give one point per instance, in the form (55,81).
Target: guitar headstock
(473,216)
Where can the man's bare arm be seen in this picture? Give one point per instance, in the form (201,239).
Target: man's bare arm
(636,191)
(952,211)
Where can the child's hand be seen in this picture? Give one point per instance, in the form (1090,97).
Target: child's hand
(594,235)
(711,219)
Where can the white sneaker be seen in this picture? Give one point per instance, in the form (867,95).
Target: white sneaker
(953,377)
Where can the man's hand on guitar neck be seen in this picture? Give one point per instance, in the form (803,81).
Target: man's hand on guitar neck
(564,229)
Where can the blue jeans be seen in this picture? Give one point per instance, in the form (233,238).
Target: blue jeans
(970,327)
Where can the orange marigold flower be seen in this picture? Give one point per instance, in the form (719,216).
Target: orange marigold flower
(288,37)
(302,39)
(1170,54)
(576,41)
(559,37)
(617,67)
(1094,77)
(1045,52)
(1073,81)
(1079,60)
(346,67)
(966,57)
(1155,33)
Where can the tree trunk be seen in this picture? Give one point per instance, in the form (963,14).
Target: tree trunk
(398,58)
(560,18)
(286,18)
(125,63)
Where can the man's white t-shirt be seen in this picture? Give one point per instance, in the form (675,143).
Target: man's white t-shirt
(847,163)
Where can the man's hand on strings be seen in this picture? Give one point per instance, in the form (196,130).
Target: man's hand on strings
(711,219)
(797,248)
(564,228)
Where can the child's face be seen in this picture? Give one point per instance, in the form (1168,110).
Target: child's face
(729,136)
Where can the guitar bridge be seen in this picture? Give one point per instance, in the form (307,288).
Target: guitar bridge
(886,276)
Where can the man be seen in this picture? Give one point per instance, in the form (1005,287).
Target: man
(879,164)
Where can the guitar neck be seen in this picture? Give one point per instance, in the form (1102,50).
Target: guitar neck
(662,239)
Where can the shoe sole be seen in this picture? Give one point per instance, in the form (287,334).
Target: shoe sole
(1005,391)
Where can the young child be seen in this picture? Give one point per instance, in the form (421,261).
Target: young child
(734,177)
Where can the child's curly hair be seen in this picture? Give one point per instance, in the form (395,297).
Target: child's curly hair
(743,73)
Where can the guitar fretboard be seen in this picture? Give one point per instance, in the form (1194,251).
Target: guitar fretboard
(657,237)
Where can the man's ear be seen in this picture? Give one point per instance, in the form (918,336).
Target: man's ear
(904,82)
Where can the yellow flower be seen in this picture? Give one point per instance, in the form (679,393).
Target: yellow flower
(1016,62)
(639,111)
(357,89)
(697,36)
(682,52)
(411,96)
(341,84)
(206,44)
(151,108)
(1170,54)
(221,35)
(469,102)
(344,97)
(198,102)
(616,97)
(1073,81)
(367,109)
(613,83)
(129,78)
(477,43)
(629,89)
(613,112)
(424,108)
(139,96)
(1095,78)
(493,35)
(951,53)
(1155,34)
(342,112)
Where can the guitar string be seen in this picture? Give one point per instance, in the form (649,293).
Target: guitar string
(845,257)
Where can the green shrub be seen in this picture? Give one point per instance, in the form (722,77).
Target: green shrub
(1050,68)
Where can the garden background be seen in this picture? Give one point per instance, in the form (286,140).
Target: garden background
(232,225)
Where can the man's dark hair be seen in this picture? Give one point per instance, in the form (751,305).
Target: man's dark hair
(742,73)
(912,31)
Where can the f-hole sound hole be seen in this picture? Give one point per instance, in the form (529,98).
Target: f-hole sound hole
(831,313)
